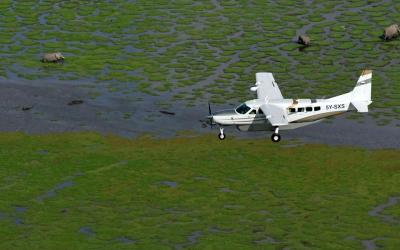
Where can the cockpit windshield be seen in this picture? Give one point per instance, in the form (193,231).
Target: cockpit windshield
(243,109)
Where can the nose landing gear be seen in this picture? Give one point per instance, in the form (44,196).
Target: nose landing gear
(275,137)
(221,134)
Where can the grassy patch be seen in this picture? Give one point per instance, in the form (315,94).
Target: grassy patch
(81,190)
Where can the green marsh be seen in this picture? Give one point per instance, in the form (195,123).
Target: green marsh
(81,190)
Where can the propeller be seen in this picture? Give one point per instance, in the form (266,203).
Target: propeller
(210,116)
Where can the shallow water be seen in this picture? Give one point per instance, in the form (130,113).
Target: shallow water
(20,209)
(377,211)
(50,113)
(171,184)
(52,192)
(266,240)
(3,216)
(191,240)
(18,221)
(225,190)
(370,244)
(125,240)
(88,231)
(43,152)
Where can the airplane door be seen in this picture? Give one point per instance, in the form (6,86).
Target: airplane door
(252,114)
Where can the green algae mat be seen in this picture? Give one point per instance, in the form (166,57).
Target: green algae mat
(82,190)
(205,50)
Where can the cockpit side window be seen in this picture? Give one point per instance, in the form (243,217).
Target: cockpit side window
(253,112)
(243,109)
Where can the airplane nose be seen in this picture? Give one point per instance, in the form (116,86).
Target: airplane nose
(215,118)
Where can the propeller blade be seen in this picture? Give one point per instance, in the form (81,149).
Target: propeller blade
(210,115)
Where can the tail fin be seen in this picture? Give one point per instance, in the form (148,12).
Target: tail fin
(361,94)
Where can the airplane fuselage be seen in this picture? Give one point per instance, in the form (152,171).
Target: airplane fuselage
(270,111)
(297,112)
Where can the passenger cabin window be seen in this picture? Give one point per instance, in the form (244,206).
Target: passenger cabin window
(318,108)
(308,109)
(300,110)
(243,109)
(292,110)
(253,112)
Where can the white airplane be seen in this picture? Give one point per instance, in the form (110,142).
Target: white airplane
(271,112)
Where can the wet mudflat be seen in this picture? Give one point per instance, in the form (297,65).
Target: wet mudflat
(132,116)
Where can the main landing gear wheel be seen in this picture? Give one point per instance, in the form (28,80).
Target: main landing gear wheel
(221,134)
(275,137)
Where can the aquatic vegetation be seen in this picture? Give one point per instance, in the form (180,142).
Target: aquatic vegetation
(165,47)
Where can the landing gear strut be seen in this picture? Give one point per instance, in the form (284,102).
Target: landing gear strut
(221,134)
(275,137)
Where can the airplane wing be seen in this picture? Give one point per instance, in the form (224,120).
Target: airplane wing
(274,114)
(266,87)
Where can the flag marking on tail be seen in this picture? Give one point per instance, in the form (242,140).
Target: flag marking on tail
(366,72)
(365,78)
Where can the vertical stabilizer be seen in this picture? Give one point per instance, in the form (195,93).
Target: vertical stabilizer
(361,94)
